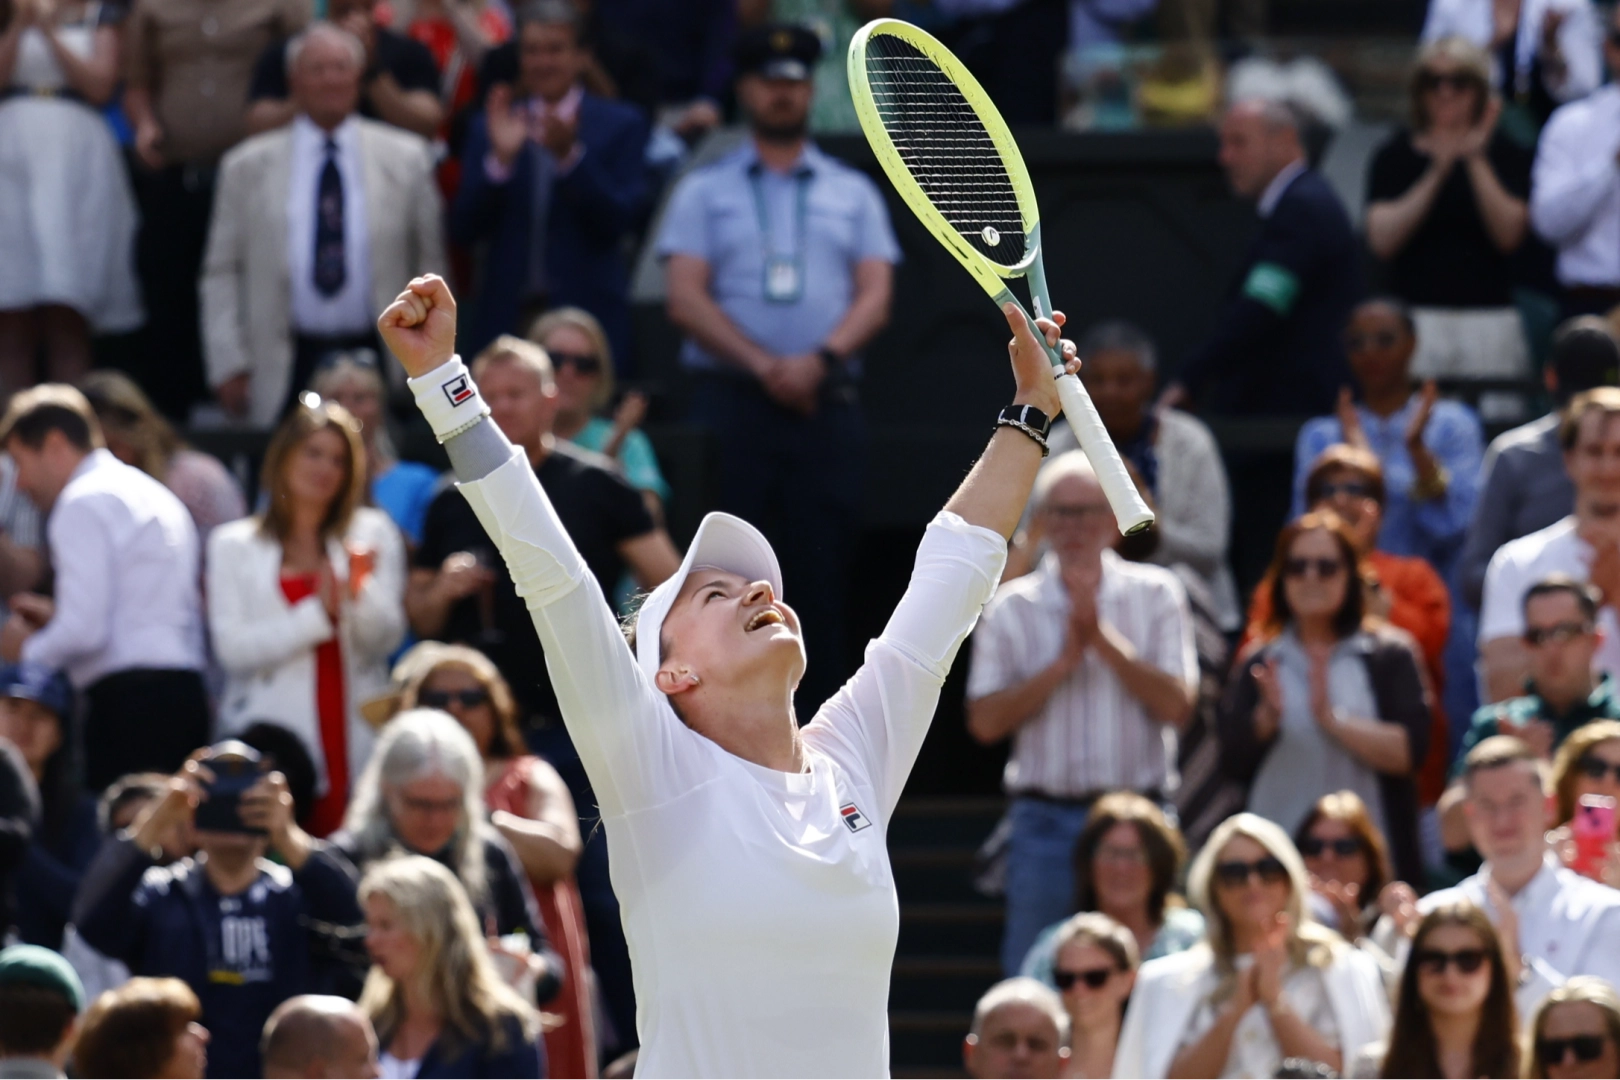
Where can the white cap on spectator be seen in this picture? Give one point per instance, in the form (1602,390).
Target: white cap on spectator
(723,542)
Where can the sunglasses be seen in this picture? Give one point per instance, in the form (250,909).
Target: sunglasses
(580,362)
(1354,488)
(1595,768)
(1325,568)
(441,699)
(1435,962)
(1095,978)
(1236,874)
(1586,1047)
(1343,847)
(1556,634)
(1383,339)
(1454,80)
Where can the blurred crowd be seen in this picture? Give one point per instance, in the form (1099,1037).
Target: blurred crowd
(1317,778)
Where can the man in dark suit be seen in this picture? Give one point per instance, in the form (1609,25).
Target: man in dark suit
(554,178)
(1277,348)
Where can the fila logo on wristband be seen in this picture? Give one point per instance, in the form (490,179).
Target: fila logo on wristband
(853,817)
(458,389)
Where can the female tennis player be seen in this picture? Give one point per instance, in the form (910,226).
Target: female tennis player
(748,855)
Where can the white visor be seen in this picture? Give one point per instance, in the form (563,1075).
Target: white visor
(723,542)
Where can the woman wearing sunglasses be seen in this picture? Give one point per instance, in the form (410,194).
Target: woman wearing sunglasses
(1446,211)
(1348,860)
(1268,983)
(530,806)
(583,362)
(1454,1015)
(1332,701)
(1094,972)
(1575,1033)
(1588,763)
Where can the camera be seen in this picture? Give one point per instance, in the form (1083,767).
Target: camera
(236,767)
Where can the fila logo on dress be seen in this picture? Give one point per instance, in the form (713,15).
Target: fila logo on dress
(458,390)
(853,817)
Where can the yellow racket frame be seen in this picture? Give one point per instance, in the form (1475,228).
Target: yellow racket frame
(1130,510)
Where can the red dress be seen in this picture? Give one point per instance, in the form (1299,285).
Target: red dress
(332,712)
(571,1046)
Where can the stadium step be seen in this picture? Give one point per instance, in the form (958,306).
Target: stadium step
(950,935)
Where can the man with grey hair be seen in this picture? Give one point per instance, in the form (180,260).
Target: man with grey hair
(318,1036)
(1172,452)
(1088,664)
(1020,1029)
(317,225)
(1276,346)
(400,85)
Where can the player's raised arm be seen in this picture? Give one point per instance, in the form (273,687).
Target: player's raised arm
(995,491)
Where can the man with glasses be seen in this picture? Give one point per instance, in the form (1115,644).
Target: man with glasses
(1575,191)
(1563,692)
(1559,923)
(1089,665)
(1585,545)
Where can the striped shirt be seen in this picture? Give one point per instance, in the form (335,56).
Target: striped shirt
(1091,735)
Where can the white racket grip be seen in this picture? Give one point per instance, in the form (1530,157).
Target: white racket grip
(1130,511)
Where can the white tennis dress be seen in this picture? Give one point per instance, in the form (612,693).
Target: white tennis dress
(759,906)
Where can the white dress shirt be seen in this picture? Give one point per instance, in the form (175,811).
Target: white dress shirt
(1278,187)
(1091,735)
(1580,40)
(125,554)
(347,311)
(759,905)
(1568,925)
(1575,189)
(1519,564)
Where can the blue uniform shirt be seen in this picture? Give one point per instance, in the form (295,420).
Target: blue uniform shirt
(713,216)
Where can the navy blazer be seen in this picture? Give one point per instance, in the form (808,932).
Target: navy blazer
(591,210)
(520,1059)
(1278,345)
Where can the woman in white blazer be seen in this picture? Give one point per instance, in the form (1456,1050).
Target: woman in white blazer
(1267,983)
(306,601)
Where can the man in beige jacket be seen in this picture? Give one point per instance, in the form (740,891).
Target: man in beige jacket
(317,225)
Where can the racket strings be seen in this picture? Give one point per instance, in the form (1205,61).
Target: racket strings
(945,147)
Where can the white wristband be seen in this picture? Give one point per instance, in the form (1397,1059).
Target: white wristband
(448,399)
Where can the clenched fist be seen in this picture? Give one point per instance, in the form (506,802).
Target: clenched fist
(419,327)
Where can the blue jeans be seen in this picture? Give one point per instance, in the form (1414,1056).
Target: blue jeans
(1040,873)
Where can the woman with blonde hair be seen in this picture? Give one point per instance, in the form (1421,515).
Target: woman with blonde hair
(529,804)
(582,361)
(434,994)
(1267,983)
(306,601)
(1446,210)
(1096,966)
(1575,1033)
(139,435)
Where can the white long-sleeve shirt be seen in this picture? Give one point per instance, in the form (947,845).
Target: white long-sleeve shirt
(1580,40)
(759,906)
(1575,189)
(125,554)
(1568,925)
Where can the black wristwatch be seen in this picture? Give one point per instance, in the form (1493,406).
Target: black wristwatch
(1030,420)
(834,362)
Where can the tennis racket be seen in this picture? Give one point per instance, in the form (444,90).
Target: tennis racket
(950,156)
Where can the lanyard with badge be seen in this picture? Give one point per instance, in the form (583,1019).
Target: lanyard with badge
(784,273)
